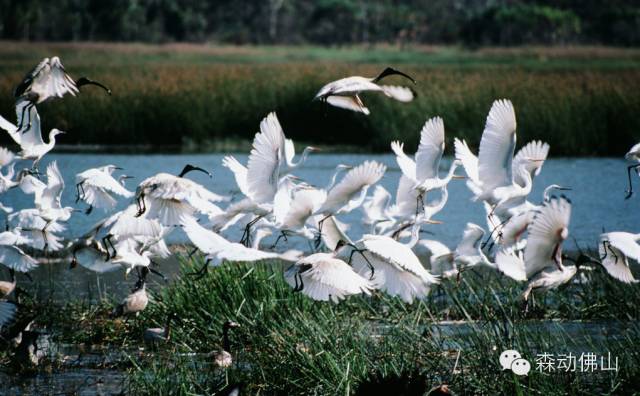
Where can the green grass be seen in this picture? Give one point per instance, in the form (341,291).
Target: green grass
(203,98)
(289,344)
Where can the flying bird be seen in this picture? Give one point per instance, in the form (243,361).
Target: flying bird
(345,93)
(47,80)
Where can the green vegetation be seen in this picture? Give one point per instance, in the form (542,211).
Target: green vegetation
(289,344)
(202,98)
(487,22)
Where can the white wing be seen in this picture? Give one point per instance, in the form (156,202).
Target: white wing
(550,227)
(471,237)
(364,175)
(406,164)
(239,173)
(6,157)
(352,103)
(59,83)
(32,137)
(14,258)
(326,278)
(55,184)
(497,145)
(93,260)
(615,262)
(430,149)
(7,312)
(401,94)
(332,233)
(511,263)
(532,155)
(304,203)
(469,160)
(263,169)
(105,181)
(626,243)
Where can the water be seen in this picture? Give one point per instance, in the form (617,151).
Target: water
(598,189)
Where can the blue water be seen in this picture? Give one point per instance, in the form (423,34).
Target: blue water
(598,189)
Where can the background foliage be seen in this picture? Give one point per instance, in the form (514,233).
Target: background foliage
(472,22)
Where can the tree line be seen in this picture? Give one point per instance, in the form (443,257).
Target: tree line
(468,22)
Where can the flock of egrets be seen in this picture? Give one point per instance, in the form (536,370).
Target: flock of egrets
(524,240)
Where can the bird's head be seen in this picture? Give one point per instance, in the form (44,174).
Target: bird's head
(188,168)
(230,324)
(55,132)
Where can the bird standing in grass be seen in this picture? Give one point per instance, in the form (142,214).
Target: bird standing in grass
(223,358)
(345,93)
(157,335)
(137,300)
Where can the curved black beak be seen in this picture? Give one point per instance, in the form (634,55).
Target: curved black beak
(85,81)
(188,168)
(389,71)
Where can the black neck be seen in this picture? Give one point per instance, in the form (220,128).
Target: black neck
(226,345)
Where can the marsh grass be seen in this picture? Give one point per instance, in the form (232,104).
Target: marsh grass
(289,344)
(202,98)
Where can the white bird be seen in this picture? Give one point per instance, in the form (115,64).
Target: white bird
(171,199)
(405,210)
(376,208)
(469,252)
(616,248)
(423,172)
(11,255)
(136,301)
(495,176)
(271,158)
(323,277)
(633,157)
(547,232)
(30,140)
(95,186)
(344,93)
(351,191)
(510,262)
(6,157)
(48,200)
(40,233)
(217,249)
(390,265)
(438,256)
(48,80)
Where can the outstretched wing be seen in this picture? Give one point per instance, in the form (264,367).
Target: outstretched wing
(430,149)
(401,94)
(358,178)
(550,227)
(471,237)
(55,184)
(352,103)
(497,145)
(406,164)
(267,155)
(239,173)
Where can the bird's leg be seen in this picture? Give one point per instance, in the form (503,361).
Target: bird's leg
(298,287)
(362,251)
(199,274)
(26,108)
(318,240)
(142,207)
(115,252)
(89,210)
(106,248)
(630,190)
(282,235)
(191,253)
(44,236)
(78,192)
(246,235)
(604,246)
(156,272)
